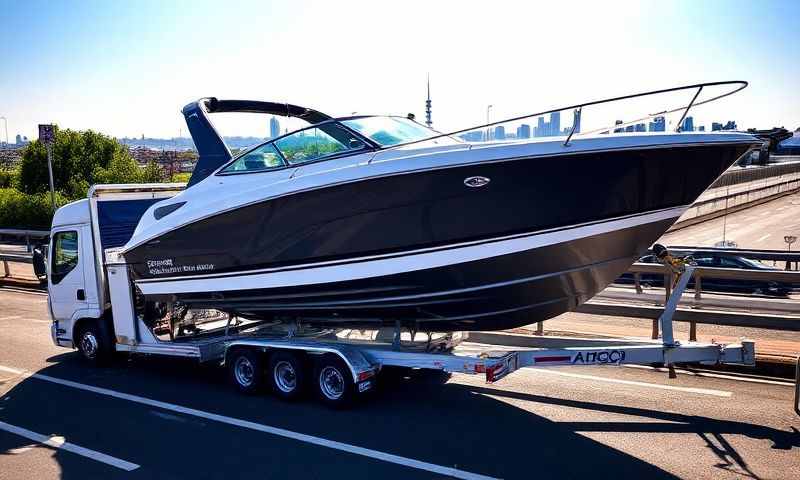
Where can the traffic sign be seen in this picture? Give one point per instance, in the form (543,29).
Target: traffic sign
(47,134)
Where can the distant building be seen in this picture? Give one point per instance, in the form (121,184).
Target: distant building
(640,127)
(19,139)
(659,124)
(688,125)
(274,128)
(618,130)
(701,128)
(629,128)
(578,121)
(555,123)
(540,127)
(730,125)
(499,132)
(524,131)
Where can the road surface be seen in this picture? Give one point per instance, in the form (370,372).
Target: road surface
(146,417)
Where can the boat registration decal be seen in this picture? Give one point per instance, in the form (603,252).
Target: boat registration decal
(476,182)
(167,265)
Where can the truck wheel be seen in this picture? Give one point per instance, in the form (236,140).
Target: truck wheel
(246,370)
(334,382)
(287,375)
(93,345)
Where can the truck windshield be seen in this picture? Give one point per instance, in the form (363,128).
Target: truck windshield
(388,131)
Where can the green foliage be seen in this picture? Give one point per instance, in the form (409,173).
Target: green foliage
(7,178)
(80,159)
(182,177)
(22,210)
(153,173)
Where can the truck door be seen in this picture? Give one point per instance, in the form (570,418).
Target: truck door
(65,282)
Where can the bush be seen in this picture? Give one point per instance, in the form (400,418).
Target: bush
(22,210)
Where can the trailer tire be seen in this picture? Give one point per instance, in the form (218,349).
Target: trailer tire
(333,382)
(287,375)
(246,370)
(93,345)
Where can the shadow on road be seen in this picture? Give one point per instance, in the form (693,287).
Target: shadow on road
(414,414)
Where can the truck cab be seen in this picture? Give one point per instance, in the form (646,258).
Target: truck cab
(81,233)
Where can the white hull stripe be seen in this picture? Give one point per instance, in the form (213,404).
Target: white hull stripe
(395,265)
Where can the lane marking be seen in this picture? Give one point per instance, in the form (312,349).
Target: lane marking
(280,432)
(10,317)
(764,238)
(715,375)
(701,391)
(59,443)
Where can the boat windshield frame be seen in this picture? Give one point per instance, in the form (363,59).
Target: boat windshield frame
(369,144)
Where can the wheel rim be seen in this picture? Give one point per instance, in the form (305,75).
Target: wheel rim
(89,345)
(244,372)
(331,383)
(285,376)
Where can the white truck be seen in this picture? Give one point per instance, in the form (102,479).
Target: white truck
(93,305)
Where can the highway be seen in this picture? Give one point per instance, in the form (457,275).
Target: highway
(145,417)
(761,227)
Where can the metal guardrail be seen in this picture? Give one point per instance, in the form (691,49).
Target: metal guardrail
(14,257)
(26,234)
(696,316)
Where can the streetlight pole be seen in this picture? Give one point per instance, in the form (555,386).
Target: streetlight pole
(488,129)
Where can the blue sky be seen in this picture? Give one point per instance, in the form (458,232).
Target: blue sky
(126,68)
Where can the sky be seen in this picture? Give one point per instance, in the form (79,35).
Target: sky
(127,68)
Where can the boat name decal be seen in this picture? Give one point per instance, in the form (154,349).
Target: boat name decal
(475,182)
(167,265)
(602,356)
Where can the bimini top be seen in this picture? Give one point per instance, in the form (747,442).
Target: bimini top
(212,150)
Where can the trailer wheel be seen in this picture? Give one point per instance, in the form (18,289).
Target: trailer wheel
(246,370)
(334,382)
(93,345)
(287,375)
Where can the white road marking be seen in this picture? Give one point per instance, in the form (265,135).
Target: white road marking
(701,391)
(322,442)
(60,443)
(764,238)
(10,317)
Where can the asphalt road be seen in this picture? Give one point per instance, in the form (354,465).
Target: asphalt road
(761,227)
(147,417)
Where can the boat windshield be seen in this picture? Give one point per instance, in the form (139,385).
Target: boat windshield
(388,131)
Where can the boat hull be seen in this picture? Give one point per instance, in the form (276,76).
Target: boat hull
(538,238)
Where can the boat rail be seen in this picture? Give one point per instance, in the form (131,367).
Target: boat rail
(737,85)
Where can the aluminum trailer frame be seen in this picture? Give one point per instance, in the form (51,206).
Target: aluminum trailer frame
(364,359)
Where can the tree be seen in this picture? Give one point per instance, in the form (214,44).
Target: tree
(80,159)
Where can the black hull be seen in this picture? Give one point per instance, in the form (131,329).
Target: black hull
(497,292)
(352,224)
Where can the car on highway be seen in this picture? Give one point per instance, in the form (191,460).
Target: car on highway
(716,284)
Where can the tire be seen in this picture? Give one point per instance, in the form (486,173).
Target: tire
(333,382)
(246,370)
(93,346)
(287,375)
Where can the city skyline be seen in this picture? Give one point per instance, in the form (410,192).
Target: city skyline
(128,74)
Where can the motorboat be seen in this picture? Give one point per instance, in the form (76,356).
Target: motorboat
(379,220)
